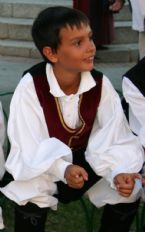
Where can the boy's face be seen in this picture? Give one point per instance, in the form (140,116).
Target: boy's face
(76,51)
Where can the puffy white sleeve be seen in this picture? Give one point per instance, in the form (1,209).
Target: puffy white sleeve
(33,152)
(112,148)
(136,102)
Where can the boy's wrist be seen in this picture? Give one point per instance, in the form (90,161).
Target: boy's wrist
(58,169)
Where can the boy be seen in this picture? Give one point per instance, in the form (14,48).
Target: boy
(133,86)
(67,131)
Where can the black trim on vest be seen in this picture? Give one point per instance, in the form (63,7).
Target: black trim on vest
(40,69)
(137,75)
(37,70)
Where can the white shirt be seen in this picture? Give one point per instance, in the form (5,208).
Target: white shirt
(36,160)
(136,109)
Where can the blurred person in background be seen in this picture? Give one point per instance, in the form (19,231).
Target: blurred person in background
(100,14)
(138,23)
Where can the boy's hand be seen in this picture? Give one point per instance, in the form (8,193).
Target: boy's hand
(125,183)
(75,176)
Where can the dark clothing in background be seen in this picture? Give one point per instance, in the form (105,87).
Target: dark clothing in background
(101,20)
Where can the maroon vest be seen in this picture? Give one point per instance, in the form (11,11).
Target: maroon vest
(89,101)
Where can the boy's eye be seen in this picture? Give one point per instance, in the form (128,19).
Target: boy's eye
(91,37)
(77,43)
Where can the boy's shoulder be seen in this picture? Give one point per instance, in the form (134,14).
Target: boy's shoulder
(96,74)
(136,75)
(137,71)
(40,70)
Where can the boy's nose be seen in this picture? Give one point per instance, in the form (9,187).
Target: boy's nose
(91,46)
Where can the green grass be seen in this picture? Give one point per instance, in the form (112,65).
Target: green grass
(68,218)
(77,216)
(8,214)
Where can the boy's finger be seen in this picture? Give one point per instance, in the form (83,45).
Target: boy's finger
(125,187)
(76,185)
(125,194)
(137,176)
(82,173)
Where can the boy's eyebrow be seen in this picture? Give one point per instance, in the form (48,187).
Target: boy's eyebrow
(90,33)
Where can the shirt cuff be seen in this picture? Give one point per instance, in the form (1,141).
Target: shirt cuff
(58,169)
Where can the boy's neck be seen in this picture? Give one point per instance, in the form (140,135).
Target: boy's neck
(68,82)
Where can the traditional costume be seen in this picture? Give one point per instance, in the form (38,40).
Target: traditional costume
(50,130)
(134,93)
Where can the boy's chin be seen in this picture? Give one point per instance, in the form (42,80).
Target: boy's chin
(89,68)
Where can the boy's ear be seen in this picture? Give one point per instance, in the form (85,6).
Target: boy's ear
(50,54)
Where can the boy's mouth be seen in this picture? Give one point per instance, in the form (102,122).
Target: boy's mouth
(89,59)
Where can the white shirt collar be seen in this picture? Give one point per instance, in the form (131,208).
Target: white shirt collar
(87,82)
